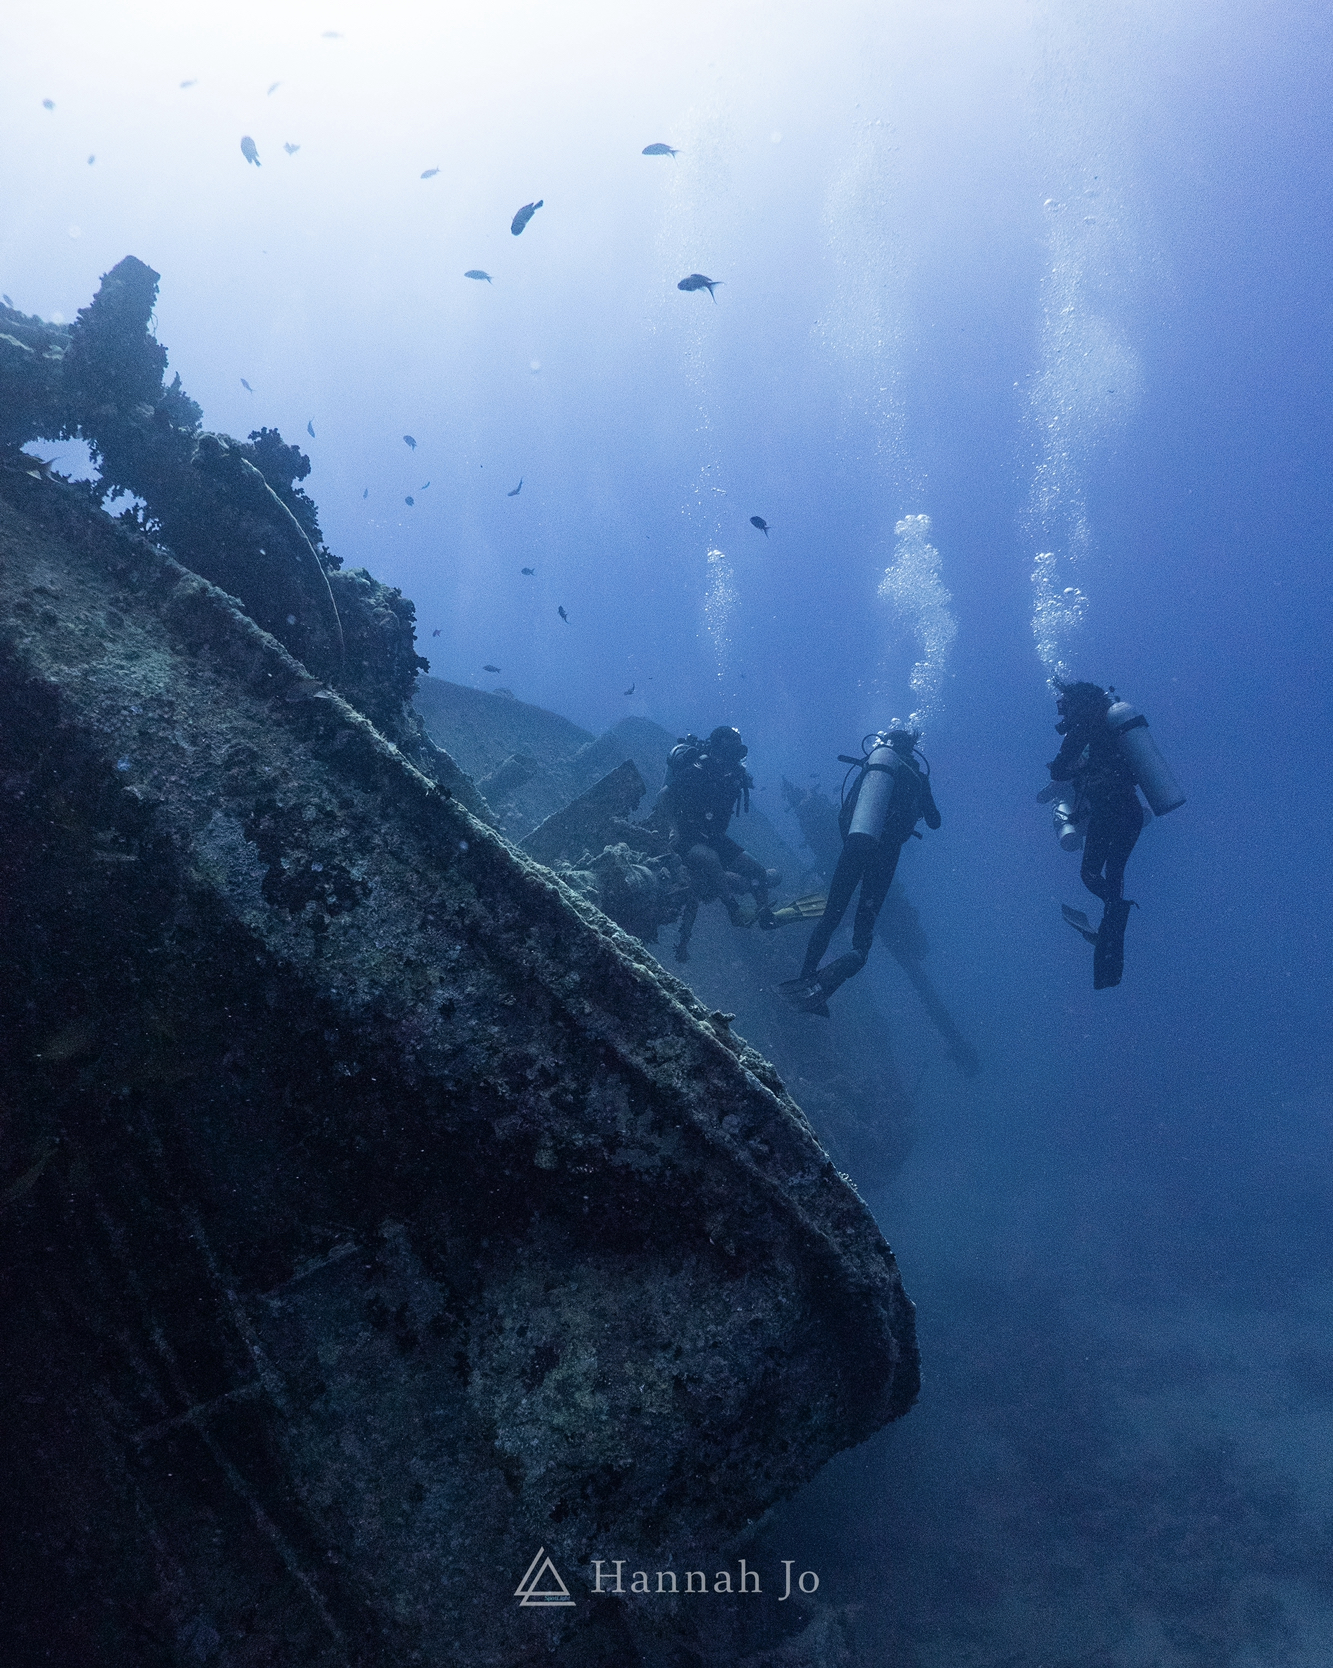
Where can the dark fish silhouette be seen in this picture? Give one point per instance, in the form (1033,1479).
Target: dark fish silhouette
(246,386)
(525,214)
(366,493)
(436,632)
(517,489)
(273,89)
(476,272)
(48,104)
(759,522)
(657,150)
(423,487)
(528,571)
(250,151)
(409,500)
(697,281)
(310,428)
(430,173)
(291,150)
(193,83)
(408,440)
(490,668)
(563,615)
(630,690)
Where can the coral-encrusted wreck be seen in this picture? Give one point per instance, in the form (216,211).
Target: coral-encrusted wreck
(372,1210)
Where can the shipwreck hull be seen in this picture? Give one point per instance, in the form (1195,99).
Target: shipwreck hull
(374,1212)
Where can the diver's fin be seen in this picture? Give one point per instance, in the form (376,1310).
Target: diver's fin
(806,995)
(1080,923)
(1108,957)
(800,909)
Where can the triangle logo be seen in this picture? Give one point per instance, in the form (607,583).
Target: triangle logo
(542,1583)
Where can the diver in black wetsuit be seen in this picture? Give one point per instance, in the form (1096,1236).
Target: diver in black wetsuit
(879,816)
(707,783)
(1091,758)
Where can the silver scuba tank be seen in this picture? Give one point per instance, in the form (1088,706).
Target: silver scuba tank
(1139,751)
(1070,824)
(876,792)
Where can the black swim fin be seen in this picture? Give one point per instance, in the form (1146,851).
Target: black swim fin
(1080,923)
(806,995)
(1108,956)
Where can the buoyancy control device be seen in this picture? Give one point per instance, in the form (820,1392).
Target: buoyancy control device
(1139,751)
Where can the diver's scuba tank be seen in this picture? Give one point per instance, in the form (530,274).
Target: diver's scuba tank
(1069,813)
(1071,821)
(875,790)
(1139,751)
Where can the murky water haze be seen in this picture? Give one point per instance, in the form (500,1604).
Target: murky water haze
(1053,276)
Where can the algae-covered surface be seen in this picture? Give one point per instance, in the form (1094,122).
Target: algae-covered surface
(393,1210)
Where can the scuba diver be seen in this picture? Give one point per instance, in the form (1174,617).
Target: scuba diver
(1105,755)
(706,784)
(892,794)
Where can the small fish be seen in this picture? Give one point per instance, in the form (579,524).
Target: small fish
(436,632)
(409,500)
(310,428)
(250,151)
(657,150)
(528,571)
(476,272)
(525,214)
(697,281)
(409,441)
(630,690)
(430,173)
(759,522)
(490,668)
(291,150)
(366,493)
(273,89)
(246,386)
(91,160)
(48,104)
(517,489)
(331,35)
(193,83)
(423,487)
(563,615)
